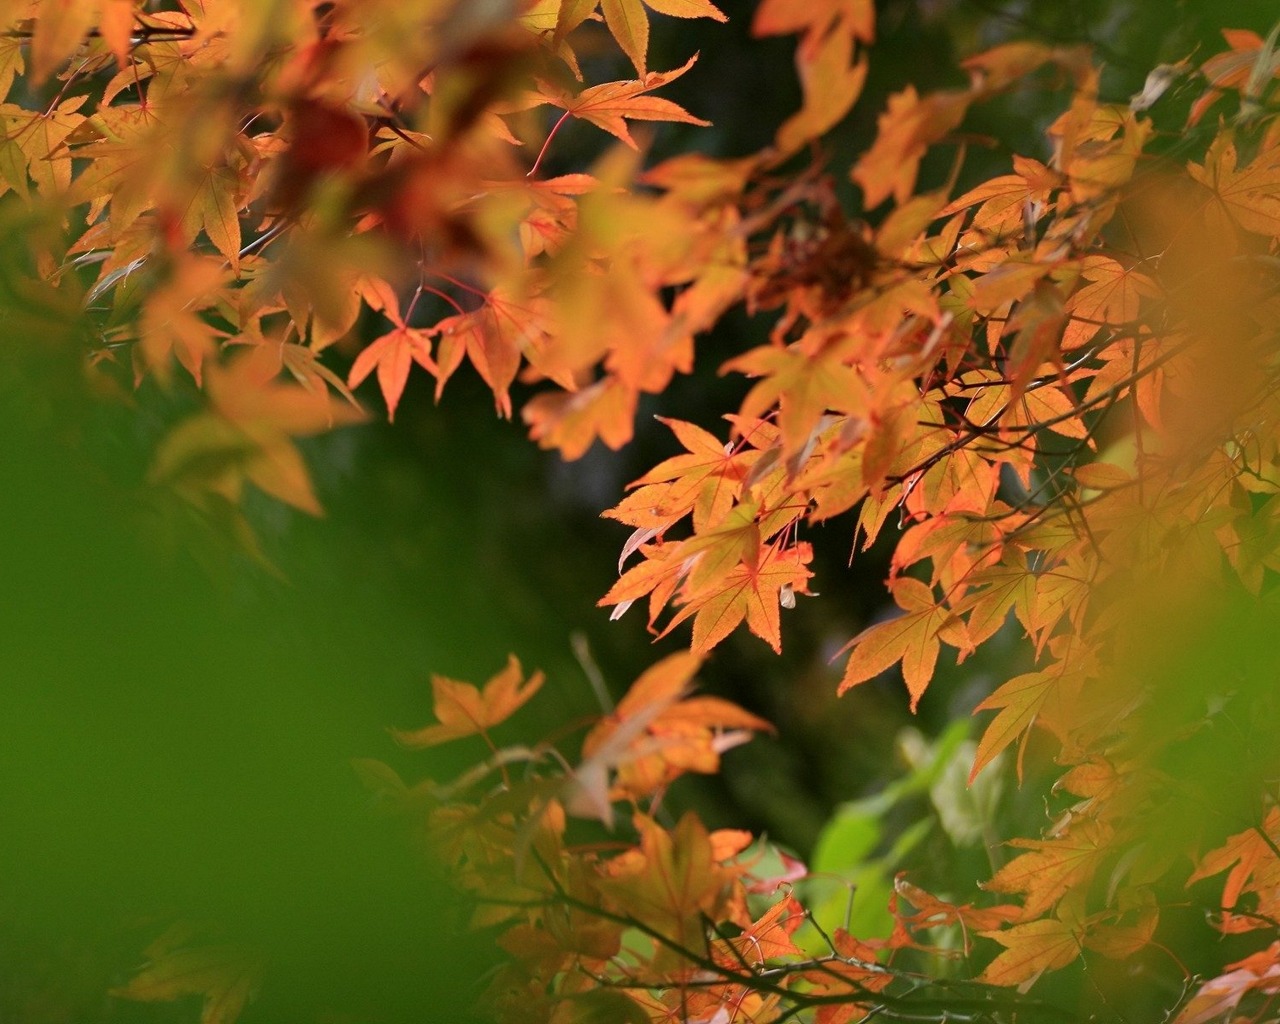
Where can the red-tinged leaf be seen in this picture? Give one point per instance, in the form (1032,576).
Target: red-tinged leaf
(911,638)
(495,338)
(611,105)
(1032,949)
(932,912)
(853,976)
(462,710)
(629,25)
(1244,853)
(392,354)
(766,939)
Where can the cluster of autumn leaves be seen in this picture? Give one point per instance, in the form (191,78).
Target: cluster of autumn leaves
(1055,383)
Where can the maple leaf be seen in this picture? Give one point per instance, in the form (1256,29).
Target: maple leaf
(904,132)
(1216,998)
(36,146)
(654,735)
(932,912)
(1054,867)
(629,24)
(767,938)
(173,323)
(706,482)
(227,977)
(1112,295)
(912,638)
(658,575)
(805,381)
(854,18)
(856,974)
(60,28)
(571,421)
(1033,948)
(246,434)
(1247,196)
(1019,700)
(610,105)
(832,82)
(463,710)
(672,882)
(392,354)
(1253,866)
(753,590)
(1248,63)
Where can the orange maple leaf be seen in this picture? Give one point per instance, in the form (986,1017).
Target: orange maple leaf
(912,638)
(672,883)
(610,105)
(1245,195)
(1054,867)
(905,131)
(1019,700)
(705,481)
(392,354)
(1033,948)
(463,710)
(766,939)
(657,733)
(754,590)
